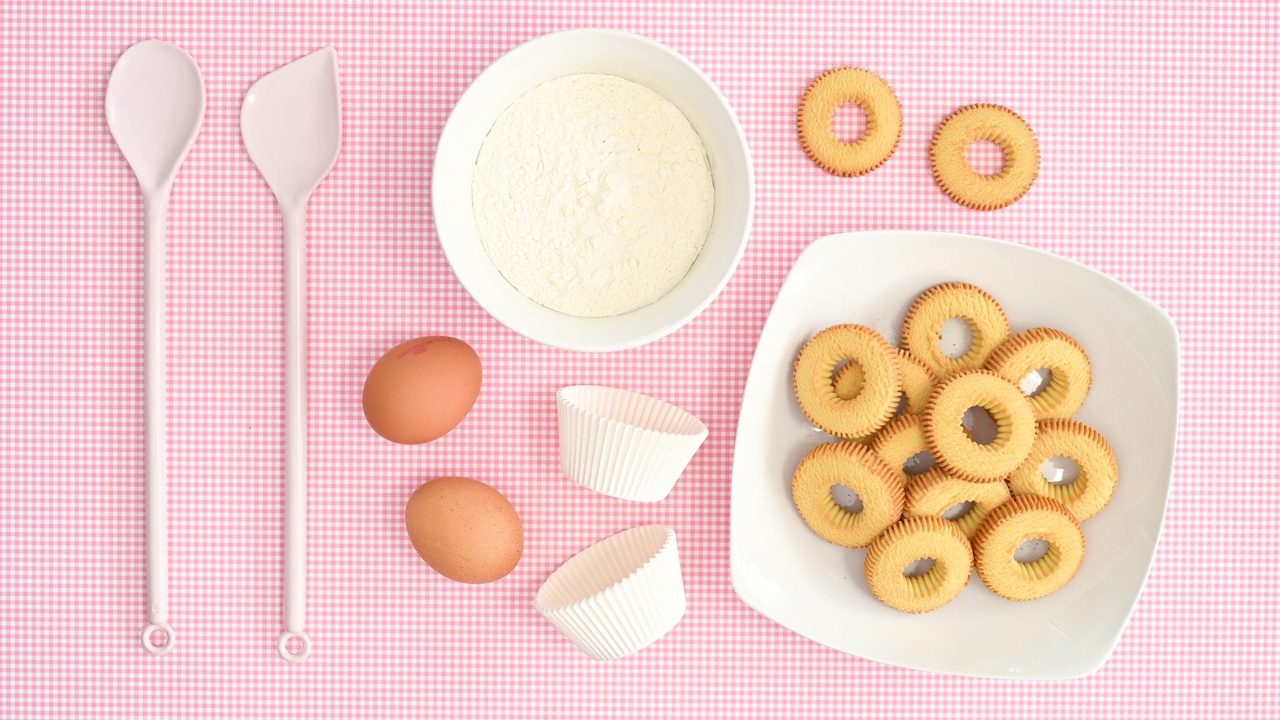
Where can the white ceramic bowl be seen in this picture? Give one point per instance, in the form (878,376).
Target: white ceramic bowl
(634,58)
(784,570)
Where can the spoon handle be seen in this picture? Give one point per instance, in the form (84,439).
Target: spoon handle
(155,411)
(295,489)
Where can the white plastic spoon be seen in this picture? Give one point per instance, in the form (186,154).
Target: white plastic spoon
(292,127)
(155,104)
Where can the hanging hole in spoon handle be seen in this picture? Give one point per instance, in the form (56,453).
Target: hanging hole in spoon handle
(169,638)
(282,645)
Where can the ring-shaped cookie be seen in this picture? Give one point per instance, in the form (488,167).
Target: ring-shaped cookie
(1094,485)
(829,91)
(957,453)
(848,380)
(1066,361)
(962,183)
(917,381)
(923,325)
(1028,517)
(872,406)
(911,540)
(898,442)
(934,492)
(858,469)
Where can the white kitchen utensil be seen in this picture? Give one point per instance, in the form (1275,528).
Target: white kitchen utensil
(292,127)
(155,105)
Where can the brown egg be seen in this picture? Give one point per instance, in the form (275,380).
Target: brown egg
(464,529)
(421,389)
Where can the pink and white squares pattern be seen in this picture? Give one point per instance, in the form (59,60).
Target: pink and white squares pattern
(1159,127)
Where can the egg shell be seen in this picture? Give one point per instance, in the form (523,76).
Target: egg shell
(464,529)
(421,389)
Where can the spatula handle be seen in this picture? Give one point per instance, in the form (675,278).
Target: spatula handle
(295,395)
(155,458)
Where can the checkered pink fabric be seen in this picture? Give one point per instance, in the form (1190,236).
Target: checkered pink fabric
(1161,166)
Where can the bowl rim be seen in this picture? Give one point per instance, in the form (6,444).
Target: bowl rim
(585,344)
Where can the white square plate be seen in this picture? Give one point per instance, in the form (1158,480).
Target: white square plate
(792,576)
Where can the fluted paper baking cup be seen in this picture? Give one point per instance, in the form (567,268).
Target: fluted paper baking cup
(618,596)
(624,444)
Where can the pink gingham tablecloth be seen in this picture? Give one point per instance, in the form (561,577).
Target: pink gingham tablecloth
(1158,127)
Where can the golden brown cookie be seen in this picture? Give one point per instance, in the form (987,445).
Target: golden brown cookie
(1028,517)
(1096,481)
(829,91)
(898,442)
(915,539)
(858,469)
(961,182)
(954,451)
(917,381)
(876,399)
(1066,361)
(848,380)
(934,492)
(923,325)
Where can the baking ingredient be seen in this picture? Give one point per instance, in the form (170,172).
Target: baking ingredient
(464,529)
(421,389)
(592,195)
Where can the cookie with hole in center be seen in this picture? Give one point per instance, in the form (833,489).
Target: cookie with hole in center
(1097,474)
(828,92)
(952,447)
(906,542)
(867,410)
(899,441)
(1028,517)
(858,469)
(918,381)
(997,124)
(922,327)
(1052,350)
(934,492)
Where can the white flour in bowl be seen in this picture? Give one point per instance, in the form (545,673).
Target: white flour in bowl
(592,195)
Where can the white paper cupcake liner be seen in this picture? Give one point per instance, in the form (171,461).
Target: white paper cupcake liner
(617,596)
(624,444)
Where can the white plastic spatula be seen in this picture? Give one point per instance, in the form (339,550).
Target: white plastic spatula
(292,127)
(155,104)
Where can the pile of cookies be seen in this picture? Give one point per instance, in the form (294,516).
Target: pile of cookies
(897,408)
